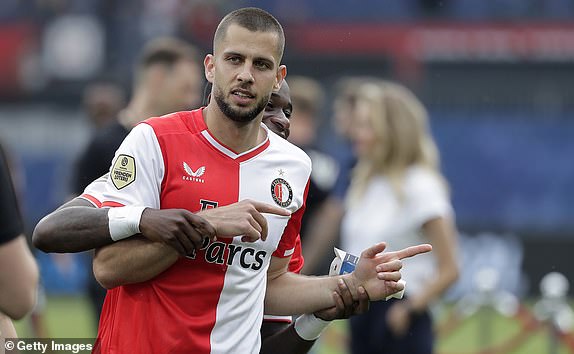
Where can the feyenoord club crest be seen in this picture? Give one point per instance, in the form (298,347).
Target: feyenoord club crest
(281,192)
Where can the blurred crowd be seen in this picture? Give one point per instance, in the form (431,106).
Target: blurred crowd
(77,40)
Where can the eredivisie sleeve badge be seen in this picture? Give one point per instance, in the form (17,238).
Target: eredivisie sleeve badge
(281,192)
(123,171)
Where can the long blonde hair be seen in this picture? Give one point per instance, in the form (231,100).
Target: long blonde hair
(400,125)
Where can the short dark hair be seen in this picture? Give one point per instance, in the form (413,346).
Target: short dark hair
(167,51)
(253,19)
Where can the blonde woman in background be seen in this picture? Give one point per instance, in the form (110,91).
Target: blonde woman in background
(398,195)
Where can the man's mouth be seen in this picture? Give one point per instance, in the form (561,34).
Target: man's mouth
(242,94)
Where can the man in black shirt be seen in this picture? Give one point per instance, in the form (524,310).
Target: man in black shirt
(168,78)
(18,270)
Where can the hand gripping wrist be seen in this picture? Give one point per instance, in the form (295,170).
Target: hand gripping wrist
(124,221)
(310,327)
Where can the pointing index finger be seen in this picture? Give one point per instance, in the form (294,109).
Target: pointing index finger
(270,209)
(412,251)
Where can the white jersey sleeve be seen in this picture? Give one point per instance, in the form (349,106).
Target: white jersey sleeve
(137,171)
(94,192)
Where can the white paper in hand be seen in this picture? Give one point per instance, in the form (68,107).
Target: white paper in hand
(343,263)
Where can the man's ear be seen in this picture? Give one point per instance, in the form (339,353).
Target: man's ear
(209,66)
(281,73)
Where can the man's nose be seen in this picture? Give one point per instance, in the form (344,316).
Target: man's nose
(286,124)
(245,74)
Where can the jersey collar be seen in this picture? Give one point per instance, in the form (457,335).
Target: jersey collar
(240,157)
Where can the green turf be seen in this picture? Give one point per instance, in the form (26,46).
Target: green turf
(70,317)
(63,317)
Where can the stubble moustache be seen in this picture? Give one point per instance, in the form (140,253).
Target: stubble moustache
(237,115)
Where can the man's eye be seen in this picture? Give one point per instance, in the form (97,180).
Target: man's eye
(287,113)
(261,65)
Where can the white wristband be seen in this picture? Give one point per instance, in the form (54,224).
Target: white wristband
(124,221)
(310,327)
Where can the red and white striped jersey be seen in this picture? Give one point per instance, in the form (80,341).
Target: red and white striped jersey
(211,302)
(94,194)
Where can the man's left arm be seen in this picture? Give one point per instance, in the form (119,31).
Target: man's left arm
(133,260)
(289,293)
(299,336)
(377,272)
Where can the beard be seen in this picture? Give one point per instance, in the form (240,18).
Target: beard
(237,115)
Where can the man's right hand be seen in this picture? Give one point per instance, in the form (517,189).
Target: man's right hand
(186,231)
(178,228)
(242,218)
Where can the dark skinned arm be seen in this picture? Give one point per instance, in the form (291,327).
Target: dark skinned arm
(76,226)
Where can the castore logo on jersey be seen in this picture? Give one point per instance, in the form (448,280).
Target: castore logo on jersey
(192,175)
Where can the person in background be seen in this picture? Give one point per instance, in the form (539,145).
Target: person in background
(398,195)
(18,269)
(323,229)
(308,99)
(102,102)
(167,79)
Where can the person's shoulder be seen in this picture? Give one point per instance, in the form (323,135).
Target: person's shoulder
(166,120)
(111,134)
(177,122)
(289,150)
(421,179)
